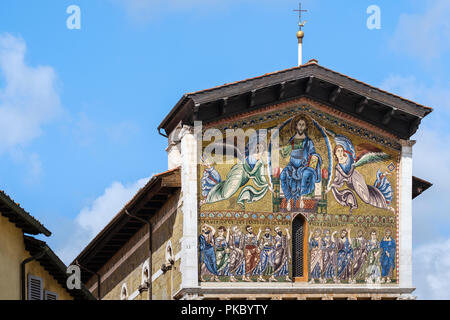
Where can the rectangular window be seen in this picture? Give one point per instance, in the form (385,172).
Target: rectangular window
(34,288)
(50,295)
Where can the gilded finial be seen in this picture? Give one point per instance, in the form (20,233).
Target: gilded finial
(300,33)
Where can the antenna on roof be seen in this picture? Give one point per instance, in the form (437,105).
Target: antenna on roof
(300,33)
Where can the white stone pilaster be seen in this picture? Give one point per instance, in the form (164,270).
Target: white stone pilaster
(174,148)
(189,255)
(405,215)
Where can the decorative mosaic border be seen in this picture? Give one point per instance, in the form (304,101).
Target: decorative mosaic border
(233,215)
(307,107)
(312,218)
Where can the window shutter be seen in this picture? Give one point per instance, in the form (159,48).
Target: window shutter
(34,288)
(50,295)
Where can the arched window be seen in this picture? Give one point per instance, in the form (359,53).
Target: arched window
(124,292)
(145,273)
(170,259)
(299,249)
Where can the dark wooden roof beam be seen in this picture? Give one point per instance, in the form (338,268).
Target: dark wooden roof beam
(158,198)
(334,94)
(281,90)
(173,181)
(151,207)
(196,110)
(388,116)
(414,126)
(361,105)
(309,85)
(223,103)
(252,99)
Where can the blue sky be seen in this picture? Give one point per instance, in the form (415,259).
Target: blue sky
(79,108)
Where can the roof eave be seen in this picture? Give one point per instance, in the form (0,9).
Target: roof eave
(377,97)
(33,226)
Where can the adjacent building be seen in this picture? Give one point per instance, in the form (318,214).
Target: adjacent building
(29,269)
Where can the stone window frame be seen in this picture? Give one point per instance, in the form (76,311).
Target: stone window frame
(145,267)
(169,255)
(122,289)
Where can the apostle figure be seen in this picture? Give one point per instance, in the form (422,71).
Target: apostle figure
(359,256)
(373,273)
(299,177)
(236,263)
(207,254)
(387,258)
(251,252)
(329,256)
(222,251)
(265,265)
(315,247)
(281,255)
(344,256)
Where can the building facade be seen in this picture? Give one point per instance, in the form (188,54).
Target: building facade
(294,185)
(29,269)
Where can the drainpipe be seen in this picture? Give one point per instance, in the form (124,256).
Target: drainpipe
(150,282)
(22,270)
(95,273)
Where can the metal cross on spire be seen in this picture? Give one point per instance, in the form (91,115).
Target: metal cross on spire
(300,23)
(300,33)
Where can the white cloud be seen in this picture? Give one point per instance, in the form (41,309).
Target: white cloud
(31,162)
(435,96)
(29,98)
(431,156)
(431,218)
(93,218)
(424,36)
(84,130)
(122,132)
(432,270)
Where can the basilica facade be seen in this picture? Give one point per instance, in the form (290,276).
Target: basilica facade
(293,185)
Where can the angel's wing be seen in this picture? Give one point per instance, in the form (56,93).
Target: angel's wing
(372,157)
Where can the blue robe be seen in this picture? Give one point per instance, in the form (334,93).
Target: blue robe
(316,258)
(344,259)
(265,265)
(297,178)
(209,179)
(329,259)
(387,262)
(207,255)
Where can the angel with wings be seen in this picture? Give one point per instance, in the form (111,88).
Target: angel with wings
(347,161)
(249,167)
